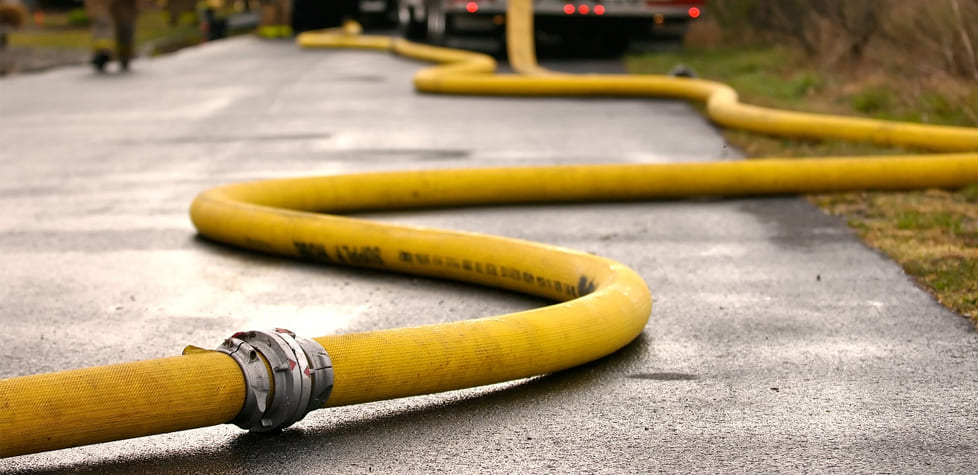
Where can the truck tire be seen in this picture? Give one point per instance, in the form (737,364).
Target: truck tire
(409,23)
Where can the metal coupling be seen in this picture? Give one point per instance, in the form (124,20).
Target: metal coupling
(286,377)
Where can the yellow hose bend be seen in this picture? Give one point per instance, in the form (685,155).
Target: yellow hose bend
(602,304)
(610,303)
(607,304)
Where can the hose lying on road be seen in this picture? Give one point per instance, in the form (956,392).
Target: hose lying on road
(266,380)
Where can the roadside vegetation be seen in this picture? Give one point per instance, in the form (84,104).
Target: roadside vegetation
(61,30)
(913,60)
(69,29)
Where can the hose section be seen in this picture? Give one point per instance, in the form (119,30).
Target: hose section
(613,304)
(473,73)
(612,308)
(521,53)
(101,404)
(603,305)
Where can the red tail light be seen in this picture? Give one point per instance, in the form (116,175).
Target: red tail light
(569,9)
(599,9)
(583,9)
(694,12)
(471,7)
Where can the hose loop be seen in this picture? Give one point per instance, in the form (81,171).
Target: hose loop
(286,377)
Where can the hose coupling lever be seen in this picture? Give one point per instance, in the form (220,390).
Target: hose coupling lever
(286,376)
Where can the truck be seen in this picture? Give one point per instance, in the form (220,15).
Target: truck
(614,22)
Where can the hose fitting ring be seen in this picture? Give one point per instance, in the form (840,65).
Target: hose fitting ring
(286,377)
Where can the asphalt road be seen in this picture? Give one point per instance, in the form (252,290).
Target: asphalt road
(778,342)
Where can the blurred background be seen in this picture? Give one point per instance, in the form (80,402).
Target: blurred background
(917,37)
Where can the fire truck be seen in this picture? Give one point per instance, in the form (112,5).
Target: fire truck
(614,21)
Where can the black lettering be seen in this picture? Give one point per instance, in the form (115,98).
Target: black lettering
(362,255)
(314,252)
(570,290)
(585,286)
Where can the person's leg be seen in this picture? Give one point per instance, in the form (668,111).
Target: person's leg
(285,18)
(124,15)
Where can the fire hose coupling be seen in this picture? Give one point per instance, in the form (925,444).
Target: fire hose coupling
(287,377)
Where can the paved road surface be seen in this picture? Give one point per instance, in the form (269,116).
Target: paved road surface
(778,342)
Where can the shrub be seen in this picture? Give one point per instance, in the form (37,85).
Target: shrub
(78,18)
(937,34)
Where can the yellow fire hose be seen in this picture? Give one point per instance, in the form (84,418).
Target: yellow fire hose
(266,380)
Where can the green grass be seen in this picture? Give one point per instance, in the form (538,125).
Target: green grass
(970,193)
(62,31)
(52,37)
(780,77)
(78,18)
(765,77)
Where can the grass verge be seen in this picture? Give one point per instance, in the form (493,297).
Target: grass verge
(63,30)
(932,234)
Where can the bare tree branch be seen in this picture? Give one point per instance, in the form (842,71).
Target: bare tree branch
(965,40)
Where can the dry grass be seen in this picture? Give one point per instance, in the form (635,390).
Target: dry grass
(928,36)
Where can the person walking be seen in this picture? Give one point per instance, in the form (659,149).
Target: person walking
(113,24)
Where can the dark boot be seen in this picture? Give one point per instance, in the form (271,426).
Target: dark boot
(100,59)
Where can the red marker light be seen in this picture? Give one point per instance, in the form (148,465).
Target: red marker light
(694,12)
(599,9)
(569,9)
(471,7)
(583,9)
